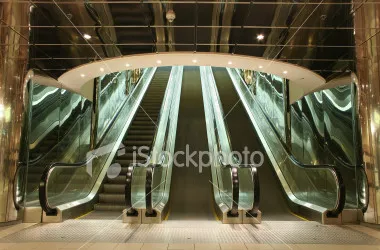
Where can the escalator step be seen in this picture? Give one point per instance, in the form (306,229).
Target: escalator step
(117,180)
(143,123)
(109,207)
(127,162)
(137,127)
(112,198)
(130,156)
(114,188)
(141,137)
(137,143)
(140,132)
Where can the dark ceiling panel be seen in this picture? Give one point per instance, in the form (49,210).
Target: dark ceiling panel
(205,12)
(204,35)
(262,14)
(240,13)
(134,35)
(184,47)
(184,35)
(136,49)
(319,37)
(185,14)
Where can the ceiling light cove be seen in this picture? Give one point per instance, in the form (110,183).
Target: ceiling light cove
(87,36)
(101,70)
(76,78)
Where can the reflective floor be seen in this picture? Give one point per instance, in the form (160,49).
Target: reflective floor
(94,231)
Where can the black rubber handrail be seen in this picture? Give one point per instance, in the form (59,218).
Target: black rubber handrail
(32,163)
(150,212)
(43,196)
(351,167)
(253,212)
(341,192)
(234,210)
(42,191)
(256,193)
(20,166)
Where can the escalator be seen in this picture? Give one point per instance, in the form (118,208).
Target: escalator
(52,127)
(273,203)
(191,190)
(140,134)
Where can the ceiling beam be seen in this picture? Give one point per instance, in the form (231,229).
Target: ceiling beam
(228,13)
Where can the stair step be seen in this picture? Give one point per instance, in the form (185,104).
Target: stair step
(112,198)
(146,118)
(121,179)
(139,132)
(141,137)
(140,128)
(109,207)
(126,162)
(143,123)
(137,142)
(132,155)
(114,188)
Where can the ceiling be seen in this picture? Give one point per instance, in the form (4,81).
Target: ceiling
(316,34)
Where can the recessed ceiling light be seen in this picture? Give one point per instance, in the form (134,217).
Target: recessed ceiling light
(101,69)
(260,37)
(159,61)
(195,61)
(285,72)
(87,36)
(260,67)
(128,65)
(229,62)
(82,75)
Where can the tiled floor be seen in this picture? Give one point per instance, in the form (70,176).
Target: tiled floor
(161,246)
(96,234)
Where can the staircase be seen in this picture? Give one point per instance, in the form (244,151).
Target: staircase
(140,133)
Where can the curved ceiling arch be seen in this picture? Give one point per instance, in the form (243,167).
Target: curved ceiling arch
(302,80)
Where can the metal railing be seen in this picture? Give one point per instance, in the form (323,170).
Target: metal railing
(222,140)
(129,106)
(334,172)
(167,122)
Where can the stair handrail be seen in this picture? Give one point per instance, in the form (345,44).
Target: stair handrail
(233,165)
(341,190)
(150,163)
(43,192)
(36,161)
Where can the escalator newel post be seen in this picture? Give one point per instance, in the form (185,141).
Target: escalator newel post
(128,192)
(150,212)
